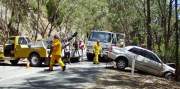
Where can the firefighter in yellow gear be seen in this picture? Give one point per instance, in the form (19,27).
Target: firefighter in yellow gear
(56,53)
(96,49)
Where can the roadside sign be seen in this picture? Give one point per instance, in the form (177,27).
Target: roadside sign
(133,66)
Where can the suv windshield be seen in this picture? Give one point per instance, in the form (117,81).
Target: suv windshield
(101,36)
(23,40)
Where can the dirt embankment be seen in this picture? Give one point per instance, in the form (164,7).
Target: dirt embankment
(114,79)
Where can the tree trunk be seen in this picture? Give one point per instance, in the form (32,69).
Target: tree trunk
(148,27)
(37,22)
(1,12)
(6,28)
(164,23)
(17,31)
(177,43)
(44,31)
(169,18)
(50,30)
(167,31)
(18,24)
(11,30)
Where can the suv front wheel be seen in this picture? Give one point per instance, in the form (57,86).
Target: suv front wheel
(169,76)
(121,64)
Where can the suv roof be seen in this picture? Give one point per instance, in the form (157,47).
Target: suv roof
(130,47)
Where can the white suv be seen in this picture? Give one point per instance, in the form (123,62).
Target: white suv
(145,60)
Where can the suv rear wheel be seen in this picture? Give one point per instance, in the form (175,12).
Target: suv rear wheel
(35,60)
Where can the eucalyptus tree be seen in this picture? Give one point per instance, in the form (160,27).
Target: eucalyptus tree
(19,12)
(177,42)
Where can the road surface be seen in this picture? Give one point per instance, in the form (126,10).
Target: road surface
(77,75)
(81,75)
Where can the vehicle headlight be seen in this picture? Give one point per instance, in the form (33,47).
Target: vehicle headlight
(122,43)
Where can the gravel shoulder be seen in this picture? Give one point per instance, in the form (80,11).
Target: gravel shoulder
(115,79)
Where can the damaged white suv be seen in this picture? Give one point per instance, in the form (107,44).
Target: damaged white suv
(145,60)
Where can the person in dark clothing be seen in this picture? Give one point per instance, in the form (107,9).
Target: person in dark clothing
(81,47)
(76,47)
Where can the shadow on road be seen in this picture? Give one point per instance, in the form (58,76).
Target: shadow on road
(70,79)
(6,64)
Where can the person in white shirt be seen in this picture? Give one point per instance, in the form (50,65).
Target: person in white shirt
(67,51)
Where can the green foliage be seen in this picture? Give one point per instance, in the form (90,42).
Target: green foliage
(52,10)
(127,16)
(135,41)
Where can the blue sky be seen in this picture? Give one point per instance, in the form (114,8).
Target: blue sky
(178,1)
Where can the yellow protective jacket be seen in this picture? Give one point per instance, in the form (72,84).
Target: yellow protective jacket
(97,48)
(57,47)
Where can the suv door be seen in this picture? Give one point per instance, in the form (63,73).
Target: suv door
(154,64)
(140,60)
(21,47)
(9,47)
(147,61)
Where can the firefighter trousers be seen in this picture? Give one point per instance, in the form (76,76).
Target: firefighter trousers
(56,58)
(96,58)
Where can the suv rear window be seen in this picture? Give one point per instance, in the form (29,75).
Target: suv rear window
(136,51)
(101,36)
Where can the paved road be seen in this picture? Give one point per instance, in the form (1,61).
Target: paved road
(77,75)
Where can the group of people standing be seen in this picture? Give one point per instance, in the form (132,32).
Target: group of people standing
(77,45)
(56,55)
